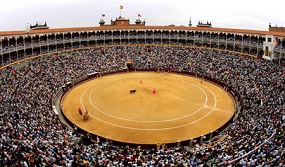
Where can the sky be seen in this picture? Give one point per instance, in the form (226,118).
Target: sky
(241,14)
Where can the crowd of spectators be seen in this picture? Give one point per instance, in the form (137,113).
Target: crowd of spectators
(31,134)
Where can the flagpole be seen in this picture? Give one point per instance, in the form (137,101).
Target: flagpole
(121,7)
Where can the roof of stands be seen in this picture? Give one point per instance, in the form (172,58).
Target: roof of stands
(226,30)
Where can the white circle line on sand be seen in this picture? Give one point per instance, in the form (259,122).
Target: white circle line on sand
(130,120)
(156,129)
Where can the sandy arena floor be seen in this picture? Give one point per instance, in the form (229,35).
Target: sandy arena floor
(181,108)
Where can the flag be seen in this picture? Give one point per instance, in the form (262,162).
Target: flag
(121,7)
(103,15)
(139,15)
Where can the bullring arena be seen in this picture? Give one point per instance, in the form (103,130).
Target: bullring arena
(167,107)
(153,96)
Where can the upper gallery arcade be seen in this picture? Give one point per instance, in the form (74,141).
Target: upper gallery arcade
(16,45)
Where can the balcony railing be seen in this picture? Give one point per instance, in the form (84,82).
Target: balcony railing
(155,37)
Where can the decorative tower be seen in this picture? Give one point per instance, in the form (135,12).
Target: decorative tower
(190,24)
(101,22)
(138,22)
(27,28)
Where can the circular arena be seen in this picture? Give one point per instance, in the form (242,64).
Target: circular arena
(175,106)
(227,85)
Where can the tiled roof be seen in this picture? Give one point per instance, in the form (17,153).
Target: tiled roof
(226,30)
